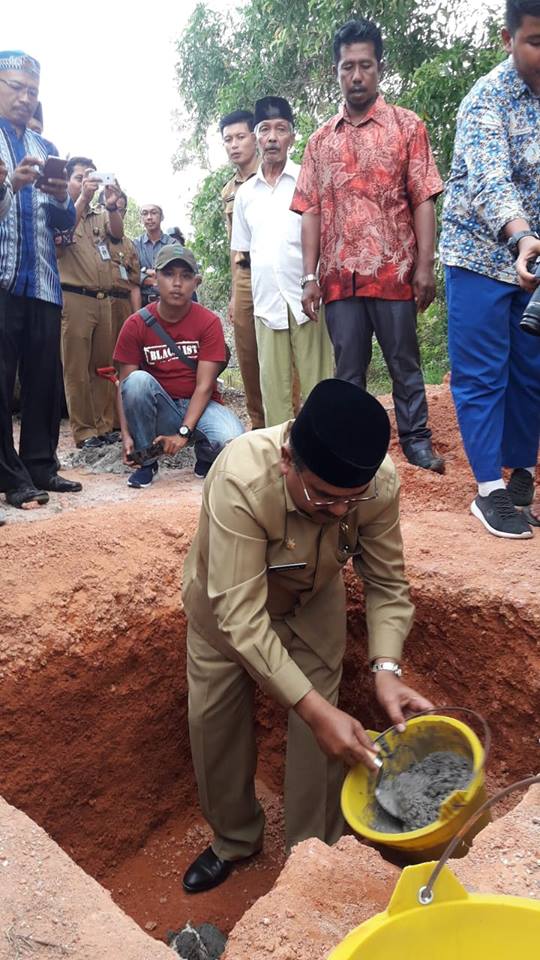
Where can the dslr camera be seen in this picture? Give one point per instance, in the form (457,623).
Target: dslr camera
(530,321)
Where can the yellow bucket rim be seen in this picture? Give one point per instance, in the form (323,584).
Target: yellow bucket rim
(360,827)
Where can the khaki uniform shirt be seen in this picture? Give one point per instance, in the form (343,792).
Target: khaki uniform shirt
(124,254)
(228,194)
(81,263)
(248,526)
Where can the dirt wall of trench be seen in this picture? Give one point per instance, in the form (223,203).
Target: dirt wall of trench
(93,701)
(94,742)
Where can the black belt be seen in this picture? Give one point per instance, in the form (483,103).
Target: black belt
(120,294)
(85,292)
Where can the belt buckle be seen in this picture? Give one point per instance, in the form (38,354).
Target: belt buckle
(100,295)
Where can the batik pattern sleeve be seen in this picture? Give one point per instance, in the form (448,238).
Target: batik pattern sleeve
(389,611)
(238,590)
(5,202)
(306,195)
(423,180)
(492,192)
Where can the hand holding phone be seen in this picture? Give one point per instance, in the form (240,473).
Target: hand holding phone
(107,179)
(54,168)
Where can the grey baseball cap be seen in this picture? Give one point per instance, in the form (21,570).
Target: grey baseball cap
(175,251)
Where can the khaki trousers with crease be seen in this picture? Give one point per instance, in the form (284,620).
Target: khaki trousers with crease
(86,344)
(246,345)
(224,752)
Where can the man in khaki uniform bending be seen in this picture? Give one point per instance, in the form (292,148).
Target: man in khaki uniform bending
(283,510)
(241,148)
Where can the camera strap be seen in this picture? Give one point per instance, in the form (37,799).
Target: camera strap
(151,321)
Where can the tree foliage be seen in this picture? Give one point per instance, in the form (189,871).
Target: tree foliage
(433,55)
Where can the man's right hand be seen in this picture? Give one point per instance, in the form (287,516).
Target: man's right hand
(89,186)
(528,249)
(26,172)
(311,300)
(149,278)
(338,734)
(127,448)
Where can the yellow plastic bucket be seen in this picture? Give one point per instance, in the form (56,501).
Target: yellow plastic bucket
(456,925)
(424,734)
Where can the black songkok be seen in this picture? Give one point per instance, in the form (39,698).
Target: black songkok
(273,108)
(341,434)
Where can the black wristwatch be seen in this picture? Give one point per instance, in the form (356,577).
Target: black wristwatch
(185,431)
(513,242)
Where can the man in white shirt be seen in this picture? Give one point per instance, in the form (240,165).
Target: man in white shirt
(264,225)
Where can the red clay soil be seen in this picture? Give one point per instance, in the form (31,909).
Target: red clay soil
(93,733)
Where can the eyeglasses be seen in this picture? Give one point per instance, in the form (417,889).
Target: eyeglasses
(16,87)
(329,503)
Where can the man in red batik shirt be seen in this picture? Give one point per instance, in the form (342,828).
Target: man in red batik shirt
(366,193)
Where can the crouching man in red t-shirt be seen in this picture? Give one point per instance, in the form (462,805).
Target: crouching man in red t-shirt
(162,398)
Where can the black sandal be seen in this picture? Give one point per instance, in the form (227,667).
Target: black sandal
(21,495)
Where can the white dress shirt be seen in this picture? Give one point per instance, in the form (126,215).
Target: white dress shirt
(264,225)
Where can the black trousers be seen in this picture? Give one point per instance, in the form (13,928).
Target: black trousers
(351,325)
(29,340)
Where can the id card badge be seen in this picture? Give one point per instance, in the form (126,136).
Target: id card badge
(123,272)
(103,252)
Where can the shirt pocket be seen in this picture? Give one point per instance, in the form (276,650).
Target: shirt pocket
(294,228)
(348,545)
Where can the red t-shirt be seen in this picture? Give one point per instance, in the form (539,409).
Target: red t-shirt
(365,181)
(199,335)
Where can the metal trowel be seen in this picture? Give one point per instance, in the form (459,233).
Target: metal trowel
(384,793)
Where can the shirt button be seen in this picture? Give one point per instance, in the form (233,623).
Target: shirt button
(346,548)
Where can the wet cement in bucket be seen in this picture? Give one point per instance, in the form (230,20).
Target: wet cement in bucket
(419,791)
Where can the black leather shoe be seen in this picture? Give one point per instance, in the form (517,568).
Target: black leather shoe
(58,484)
(206,872)
(90,443)
(425,457)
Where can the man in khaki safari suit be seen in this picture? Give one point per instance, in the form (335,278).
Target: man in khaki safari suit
(283,510)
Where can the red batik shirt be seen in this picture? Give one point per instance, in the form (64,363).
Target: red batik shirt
(366,181)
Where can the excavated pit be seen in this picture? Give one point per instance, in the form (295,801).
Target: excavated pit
(93,732)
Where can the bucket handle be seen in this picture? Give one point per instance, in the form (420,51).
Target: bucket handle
(425,893)
(439,711)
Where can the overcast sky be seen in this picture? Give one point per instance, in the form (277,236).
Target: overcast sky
(108,86)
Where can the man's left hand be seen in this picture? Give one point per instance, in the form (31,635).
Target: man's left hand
(423,284)
(399,700)
(56,188)
(172,445)
(112,194)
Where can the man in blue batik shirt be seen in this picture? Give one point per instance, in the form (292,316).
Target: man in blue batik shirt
(30,293)
(491,226)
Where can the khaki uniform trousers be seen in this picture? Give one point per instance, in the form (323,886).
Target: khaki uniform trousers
(120,311)
(246,345)
(305,347)
(224,751)
(86,344)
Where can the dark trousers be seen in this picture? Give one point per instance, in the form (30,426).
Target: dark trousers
(351,325)
(29,339)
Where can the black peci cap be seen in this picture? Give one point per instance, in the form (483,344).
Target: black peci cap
(341,434)
(273,108)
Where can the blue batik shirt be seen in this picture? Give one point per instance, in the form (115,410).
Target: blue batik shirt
(28,266)
(495,174)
